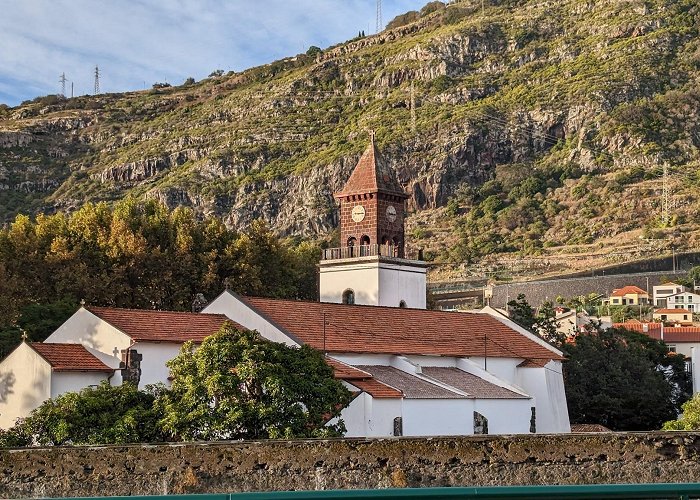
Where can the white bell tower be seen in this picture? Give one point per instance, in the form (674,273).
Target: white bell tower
(371,266)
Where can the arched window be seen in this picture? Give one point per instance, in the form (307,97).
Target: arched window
(402,304)
(352,241)
(348,297)
(364,246)
(397,248)
(364,240)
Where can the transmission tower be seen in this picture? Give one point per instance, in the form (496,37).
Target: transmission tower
(379,16)
(62,81)
(413,109)
(97,80)
(665,216)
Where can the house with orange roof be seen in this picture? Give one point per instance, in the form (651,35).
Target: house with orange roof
(627,296)
(680,317)
(413,371)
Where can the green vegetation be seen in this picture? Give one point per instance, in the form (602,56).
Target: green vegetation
(137,255)
(236,385)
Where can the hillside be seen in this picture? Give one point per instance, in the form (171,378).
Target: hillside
(541,131)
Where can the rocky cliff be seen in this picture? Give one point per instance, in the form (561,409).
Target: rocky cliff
(543,125)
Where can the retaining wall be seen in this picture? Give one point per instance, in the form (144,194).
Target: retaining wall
(340,464)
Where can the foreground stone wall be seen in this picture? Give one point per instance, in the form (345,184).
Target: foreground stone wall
(340,464)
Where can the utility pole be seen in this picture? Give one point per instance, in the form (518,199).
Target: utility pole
(379,16)
(413,108)
(665,217)
(62,81)
(97,80)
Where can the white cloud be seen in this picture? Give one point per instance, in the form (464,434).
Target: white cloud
(139,42)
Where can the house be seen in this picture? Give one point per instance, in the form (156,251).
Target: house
(93,345)
(627,296)
(661,293)
(413,371)
(684,300)
(35,372)
(674,316)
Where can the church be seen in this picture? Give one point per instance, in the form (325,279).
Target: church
(412,371)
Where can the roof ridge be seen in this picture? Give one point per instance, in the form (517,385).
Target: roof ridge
(161,311)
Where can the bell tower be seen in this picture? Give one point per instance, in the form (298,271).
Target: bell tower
(371,266)
(372,207)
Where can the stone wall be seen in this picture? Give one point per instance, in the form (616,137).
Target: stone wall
(341,464)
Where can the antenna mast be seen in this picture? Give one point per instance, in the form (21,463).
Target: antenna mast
(379,16)
(62,81)
(97,80)
(665,218)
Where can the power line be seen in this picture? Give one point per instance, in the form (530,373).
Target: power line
(665,217)
(413,108)
(379,16)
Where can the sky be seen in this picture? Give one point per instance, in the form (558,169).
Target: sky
(136,43)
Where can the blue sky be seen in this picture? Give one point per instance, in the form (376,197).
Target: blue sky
(136,43)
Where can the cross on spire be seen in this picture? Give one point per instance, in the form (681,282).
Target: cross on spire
(24,334)
(371,136)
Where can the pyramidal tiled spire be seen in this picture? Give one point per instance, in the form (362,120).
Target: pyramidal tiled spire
(372,175)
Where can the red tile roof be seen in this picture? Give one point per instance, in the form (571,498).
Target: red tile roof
(469,383)
(69,358)
(671,311)
(393,330)
(144,325)
(631,289)
(376,389)
(675,334)
(371,175)
(589,428)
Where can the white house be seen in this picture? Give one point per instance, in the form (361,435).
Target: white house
(684,300)
(413,371)
(661,293)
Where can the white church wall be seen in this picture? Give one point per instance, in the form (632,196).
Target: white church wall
(401,283)
(355,415)
(155,355)
(360,277)
(62,382)
(363,359)
(25,383)
(380,414)
(236,310)
(438,417)
(94,333)
(500,371)
(546,385)
(506,416)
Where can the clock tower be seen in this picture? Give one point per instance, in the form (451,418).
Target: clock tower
(371,266)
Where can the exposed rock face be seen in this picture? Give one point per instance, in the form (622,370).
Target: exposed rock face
(555,82)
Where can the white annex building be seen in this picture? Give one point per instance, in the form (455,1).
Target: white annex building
(413,371)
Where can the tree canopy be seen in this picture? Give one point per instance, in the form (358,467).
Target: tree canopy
(623,380)
(138,255)
(689,419)
(238,385)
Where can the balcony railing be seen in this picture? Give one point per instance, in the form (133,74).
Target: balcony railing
(364,251)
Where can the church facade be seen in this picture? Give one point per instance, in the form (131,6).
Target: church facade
(413,371)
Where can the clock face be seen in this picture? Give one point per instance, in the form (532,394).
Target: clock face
(358,213)
(391,213)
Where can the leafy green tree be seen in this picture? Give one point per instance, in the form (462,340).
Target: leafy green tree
(689,419)
(522,312)
(624,380)
(237,385)
(546,325)
(101,415)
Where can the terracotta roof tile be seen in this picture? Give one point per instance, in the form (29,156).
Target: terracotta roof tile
(376,389)
(675,334)
(393,330)
(630,289)
(371,175)
(475,386)
(671,311)
(533,363)
(411,386)
(69,357)
(161,326)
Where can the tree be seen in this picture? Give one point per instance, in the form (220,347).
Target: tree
(314,51)
(521,312)
(546,325)
(100,415)
(237,385)
(623,380)
(689,420)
